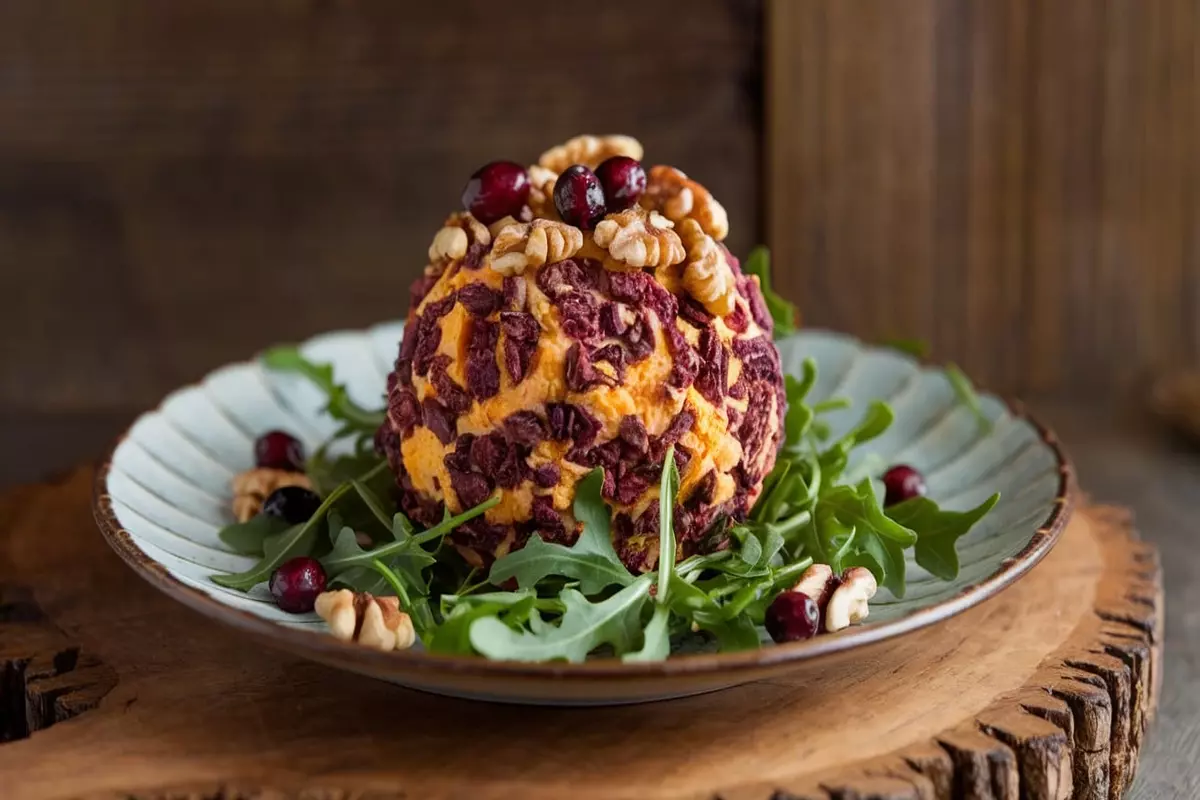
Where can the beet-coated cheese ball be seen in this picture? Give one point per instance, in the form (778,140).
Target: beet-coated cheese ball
(536,351)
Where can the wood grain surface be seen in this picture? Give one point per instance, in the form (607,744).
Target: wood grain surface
(184,183)
(1014,182)
(1045,692)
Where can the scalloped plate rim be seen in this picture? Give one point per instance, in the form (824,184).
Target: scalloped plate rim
(322,647)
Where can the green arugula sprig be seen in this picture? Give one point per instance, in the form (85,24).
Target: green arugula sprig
(783,312)
(356,421)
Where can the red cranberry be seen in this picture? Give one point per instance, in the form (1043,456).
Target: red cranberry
(623,181)
(292,504)
(578,197)
(792,617)
(495,191)
(901,483)
(296,584)
(279,450)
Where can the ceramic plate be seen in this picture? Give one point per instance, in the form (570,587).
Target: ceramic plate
(164,494)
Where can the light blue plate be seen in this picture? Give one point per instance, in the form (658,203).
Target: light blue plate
(165,494)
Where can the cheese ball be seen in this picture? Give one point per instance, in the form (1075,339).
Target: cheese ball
(536,351)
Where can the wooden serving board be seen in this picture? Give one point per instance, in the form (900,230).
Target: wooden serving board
(110,689)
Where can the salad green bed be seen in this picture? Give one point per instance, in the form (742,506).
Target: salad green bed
(579,601)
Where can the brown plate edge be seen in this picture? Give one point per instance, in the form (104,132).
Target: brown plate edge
(328,648)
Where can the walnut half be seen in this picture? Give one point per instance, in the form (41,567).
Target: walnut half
(252,487)
(707,276)
(639,238)
(360,617)
(530,244)
(677,197)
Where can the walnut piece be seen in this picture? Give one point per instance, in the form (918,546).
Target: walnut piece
(589,151)
(541,192)
(372,621)
(531,244)
(677,197)
(458,232)
(707,276)
(639,238)
(848,603)
(818,582)
(252,487)
(450,244)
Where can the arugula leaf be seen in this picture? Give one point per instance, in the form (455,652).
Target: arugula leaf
(326,475)
(298,540)
(695,605)
(938,531)
(667,489)
(967,396)
(584,627)
(858,506)
(347,553)
(591,560)
(247,537)
(783,313)
(656,639)
(339,406)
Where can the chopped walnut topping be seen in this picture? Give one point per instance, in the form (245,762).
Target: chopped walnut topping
(707,276)
(252,487)
(589,151)
(678,197)
(639,238)
(531,244)
(360,617)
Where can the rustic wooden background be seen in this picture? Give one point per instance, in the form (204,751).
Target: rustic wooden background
(181,183)
(1015,181)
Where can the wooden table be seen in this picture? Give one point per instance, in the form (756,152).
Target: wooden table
(1120,458)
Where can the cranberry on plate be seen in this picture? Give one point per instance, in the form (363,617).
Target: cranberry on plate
(296,584)
(623,181)
(279,450)
(901,483)
(579,197)
(497,190)
(292,504)
(792,617)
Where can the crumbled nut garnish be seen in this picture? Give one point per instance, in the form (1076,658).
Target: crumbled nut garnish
(360,617)
(707,276)
(848,603)
(678,197)
(589,151)
(541,192)
(252,487)
(531,244)
(639,238)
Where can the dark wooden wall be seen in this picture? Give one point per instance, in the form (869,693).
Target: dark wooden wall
(181,183)
(184,182)
(1015,181)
